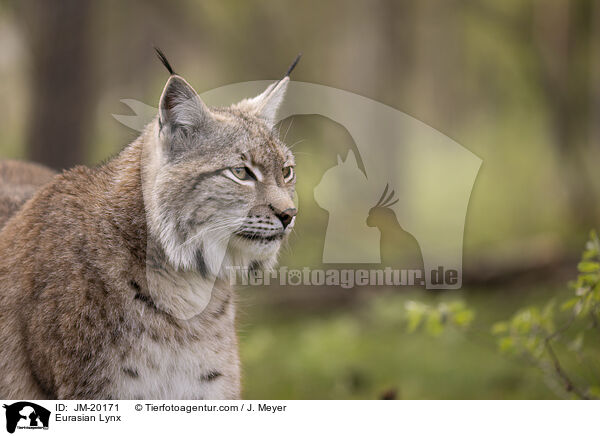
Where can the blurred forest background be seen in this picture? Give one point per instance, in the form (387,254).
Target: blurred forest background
(517,82)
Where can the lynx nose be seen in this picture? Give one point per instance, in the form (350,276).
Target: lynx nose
(286,216)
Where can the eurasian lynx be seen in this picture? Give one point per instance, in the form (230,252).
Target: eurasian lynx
(113,280)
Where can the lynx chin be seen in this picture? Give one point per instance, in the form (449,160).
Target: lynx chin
(114,280)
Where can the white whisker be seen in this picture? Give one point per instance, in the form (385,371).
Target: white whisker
(288,129)
(296,143)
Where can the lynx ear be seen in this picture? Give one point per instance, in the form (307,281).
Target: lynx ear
(265,105)
(181,106)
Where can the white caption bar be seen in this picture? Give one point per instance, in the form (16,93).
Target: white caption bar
(300,417)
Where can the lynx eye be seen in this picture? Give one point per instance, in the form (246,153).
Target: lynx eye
(288,173)
(241,173)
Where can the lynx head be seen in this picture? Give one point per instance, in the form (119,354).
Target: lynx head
(218,182)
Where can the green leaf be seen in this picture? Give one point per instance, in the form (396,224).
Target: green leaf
(524,321)
(588,279)
(569,304)
(464,318)
(499,328)
(532,345)
(506,344)
(588,266)
(434,324)
(414,319)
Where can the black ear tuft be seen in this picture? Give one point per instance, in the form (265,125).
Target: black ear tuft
(164,60)
(291,68)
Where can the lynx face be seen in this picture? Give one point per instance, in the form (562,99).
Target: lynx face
(219,184)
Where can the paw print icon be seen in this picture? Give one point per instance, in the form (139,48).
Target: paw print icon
(294,277)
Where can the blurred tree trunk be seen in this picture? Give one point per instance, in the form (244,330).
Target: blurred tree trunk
(59,38)
(438,63)
(594,80)
(562,34)
(557,32)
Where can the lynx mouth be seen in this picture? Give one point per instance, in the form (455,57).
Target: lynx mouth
(252,236)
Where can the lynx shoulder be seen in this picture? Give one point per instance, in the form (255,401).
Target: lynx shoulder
(114,280)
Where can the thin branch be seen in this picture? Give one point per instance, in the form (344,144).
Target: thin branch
(569,385)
